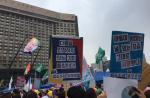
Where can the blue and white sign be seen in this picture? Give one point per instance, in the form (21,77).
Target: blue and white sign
(126,54)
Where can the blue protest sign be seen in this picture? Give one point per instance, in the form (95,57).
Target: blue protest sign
(99,75)
(126,54)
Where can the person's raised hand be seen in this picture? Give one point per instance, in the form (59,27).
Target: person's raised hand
(102,95)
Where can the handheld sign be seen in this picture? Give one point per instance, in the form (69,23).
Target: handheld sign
(66,58)
(126,54)
(20,82)
(118,88)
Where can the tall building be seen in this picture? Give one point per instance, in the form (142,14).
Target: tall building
(20,21)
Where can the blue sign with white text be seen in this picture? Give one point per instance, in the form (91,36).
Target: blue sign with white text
(66,58)
(126,54)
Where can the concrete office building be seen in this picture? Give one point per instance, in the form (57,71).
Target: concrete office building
(18,20)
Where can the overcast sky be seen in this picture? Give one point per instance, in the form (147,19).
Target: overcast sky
(98,18)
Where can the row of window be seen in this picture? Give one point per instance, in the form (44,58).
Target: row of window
(20,65)
(47,31)
(36,23)
(20,17)
(13,28)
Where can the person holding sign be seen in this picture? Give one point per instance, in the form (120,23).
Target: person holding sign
(102,95)
(133,93)
(136,93)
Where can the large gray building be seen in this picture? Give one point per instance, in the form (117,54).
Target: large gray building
(18,20)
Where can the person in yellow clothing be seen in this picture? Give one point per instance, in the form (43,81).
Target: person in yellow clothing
(50,93)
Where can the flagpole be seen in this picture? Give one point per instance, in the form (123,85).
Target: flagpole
(29,84)
(35,57)
(33,63)
(34,77)
(17,52)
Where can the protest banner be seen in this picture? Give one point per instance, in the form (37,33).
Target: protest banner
(118,88)
(66,58)
(20,82)
(126,54)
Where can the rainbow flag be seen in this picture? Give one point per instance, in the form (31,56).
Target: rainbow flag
(31,45)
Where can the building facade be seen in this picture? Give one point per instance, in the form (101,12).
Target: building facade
(19,22)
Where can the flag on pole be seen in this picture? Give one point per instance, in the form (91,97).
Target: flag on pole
(45,76)
(30,83)
(39,68)
(100,54)
(86,75)
(27,69)
(10,83)
(31,45)
(28,86)
(84,67)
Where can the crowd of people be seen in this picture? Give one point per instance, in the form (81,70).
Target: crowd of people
(78,92)
(73,92)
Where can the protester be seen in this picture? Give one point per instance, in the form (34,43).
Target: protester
(76,92)
(44,94)
(147,93)
(61,87)
(98,89)
(91,93)
(133,92)
(16,94)
(54,92)
(61,94)
(102,95)
(71,84)
(39,95)
(50,93)
(136,93)
(73,92)
(7,95)
(31,94)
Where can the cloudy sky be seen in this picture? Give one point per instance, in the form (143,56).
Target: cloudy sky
(98,18)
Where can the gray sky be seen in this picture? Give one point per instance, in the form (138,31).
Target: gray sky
(97,19)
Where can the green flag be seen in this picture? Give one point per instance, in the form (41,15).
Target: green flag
(100,54)
(24,66)
(39,68)
(45,76)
